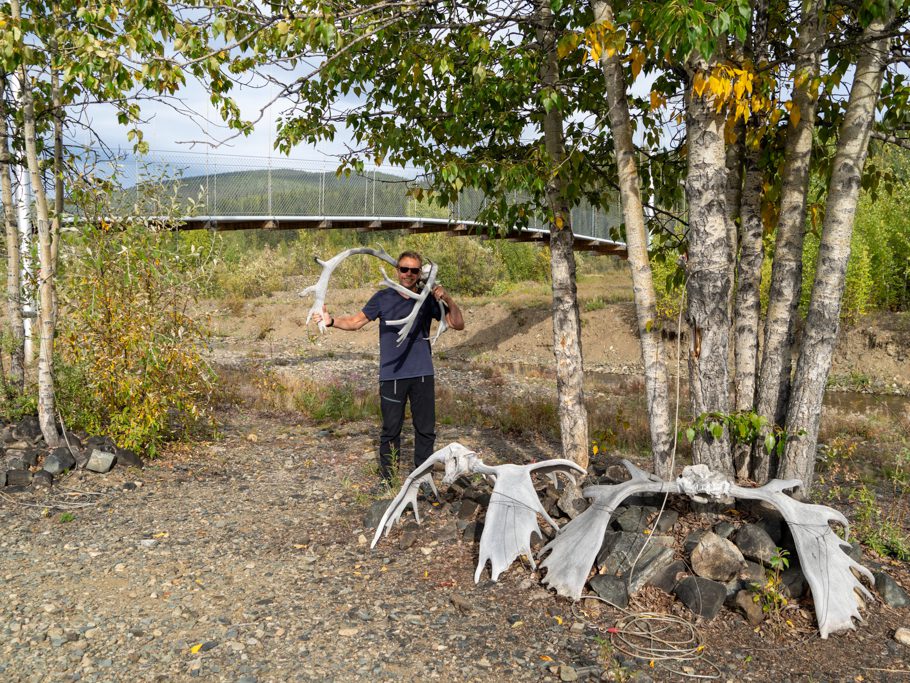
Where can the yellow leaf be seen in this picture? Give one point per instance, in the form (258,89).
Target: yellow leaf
(638,60)
(794,115)
(559,222)
(699,84)
(558,619)
(196,648)
(655,100)
(546,658)
(517,624)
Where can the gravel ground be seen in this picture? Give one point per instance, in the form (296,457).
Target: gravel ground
(247,559)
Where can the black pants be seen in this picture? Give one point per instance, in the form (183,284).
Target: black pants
(393,394)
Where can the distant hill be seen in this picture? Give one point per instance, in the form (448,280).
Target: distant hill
(298,193)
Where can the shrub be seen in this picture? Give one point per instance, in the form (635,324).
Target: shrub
(131,356)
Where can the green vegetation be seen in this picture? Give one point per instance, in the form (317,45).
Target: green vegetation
(131,356)
(770,595)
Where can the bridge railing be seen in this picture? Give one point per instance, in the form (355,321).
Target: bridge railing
(219,184)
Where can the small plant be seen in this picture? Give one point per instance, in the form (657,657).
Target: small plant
(595,304)
(770,594)
(743,426)
(66,517)
(880,531)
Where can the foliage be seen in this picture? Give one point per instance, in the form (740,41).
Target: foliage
(335,402)
(133,364)
(467,267)
(770,595)
(744,426)
(881,530)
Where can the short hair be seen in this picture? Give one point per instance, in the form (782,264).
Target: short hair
(410,254)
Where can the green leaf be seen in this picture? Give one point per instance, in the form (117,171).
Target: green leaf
(770,440)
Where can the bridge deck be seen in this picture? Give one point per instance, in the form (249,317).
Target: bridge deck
(373,223)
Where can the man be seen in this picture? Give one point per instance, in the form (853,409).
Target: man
(405,370)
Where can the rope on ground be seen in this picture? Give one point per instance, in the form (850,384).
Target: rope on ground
(661,640)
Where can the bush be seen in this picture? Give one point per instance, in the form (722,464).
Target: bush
(131,363)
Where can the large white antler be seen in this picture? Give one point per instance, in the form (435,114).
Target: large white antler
(829,571)
(836,590)
(328,267)
(511,515)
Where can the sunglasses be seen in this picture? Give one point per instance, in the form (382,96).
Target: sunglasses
(405,269)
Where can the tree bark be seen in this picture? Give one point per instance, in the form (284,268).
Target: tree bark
(747,301)
(46,281)
(823,319)
(708,282)
(747,305)
(786,273)
(652,352)
(13,285)
(573,416)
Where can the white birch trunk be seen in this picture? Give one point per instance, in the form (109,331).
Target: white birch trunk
(573,415)
(11,225)
(786,273)
(46,284)
(708,282)
(652,351)
(823,319)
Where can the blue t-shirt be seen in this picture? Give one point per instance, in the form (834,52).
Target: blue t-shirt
(413,357)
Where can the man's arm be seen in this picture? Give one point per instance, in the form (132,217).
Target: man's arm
(342,322)
(454,318)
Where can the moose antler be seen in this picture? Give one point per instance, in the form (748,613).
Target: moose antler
(836,590)
(512,513)
(328,267)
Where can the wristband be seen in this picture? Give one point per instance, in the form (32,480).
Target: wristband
(332,322)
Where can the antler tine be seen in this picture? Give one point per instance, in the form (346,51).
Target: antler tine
(328,267)
(408,323)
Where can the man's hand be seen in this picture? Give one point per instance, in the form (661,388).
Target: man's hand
(319,317)
(441,294)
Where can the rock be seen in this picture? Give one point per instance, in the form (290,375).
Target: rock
(374,514)
(473,531)
(892,594)
(755,544)
(28,428)
(693,539)
(467,510)
(100,461)
(614,472)
(18,477)
(25,457)
(773,525)
(15,462)
(702,596)
(621,550)
(2,478)
(634,518)
(42,480)
(716,558)
(745,601)
(854,550)
(752,572)
(794,581)
(567,673)
(902,635)
(571,502)
(448,533)
(611,589)
(667,578)
(724,529)
(128,458)
(60,459)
